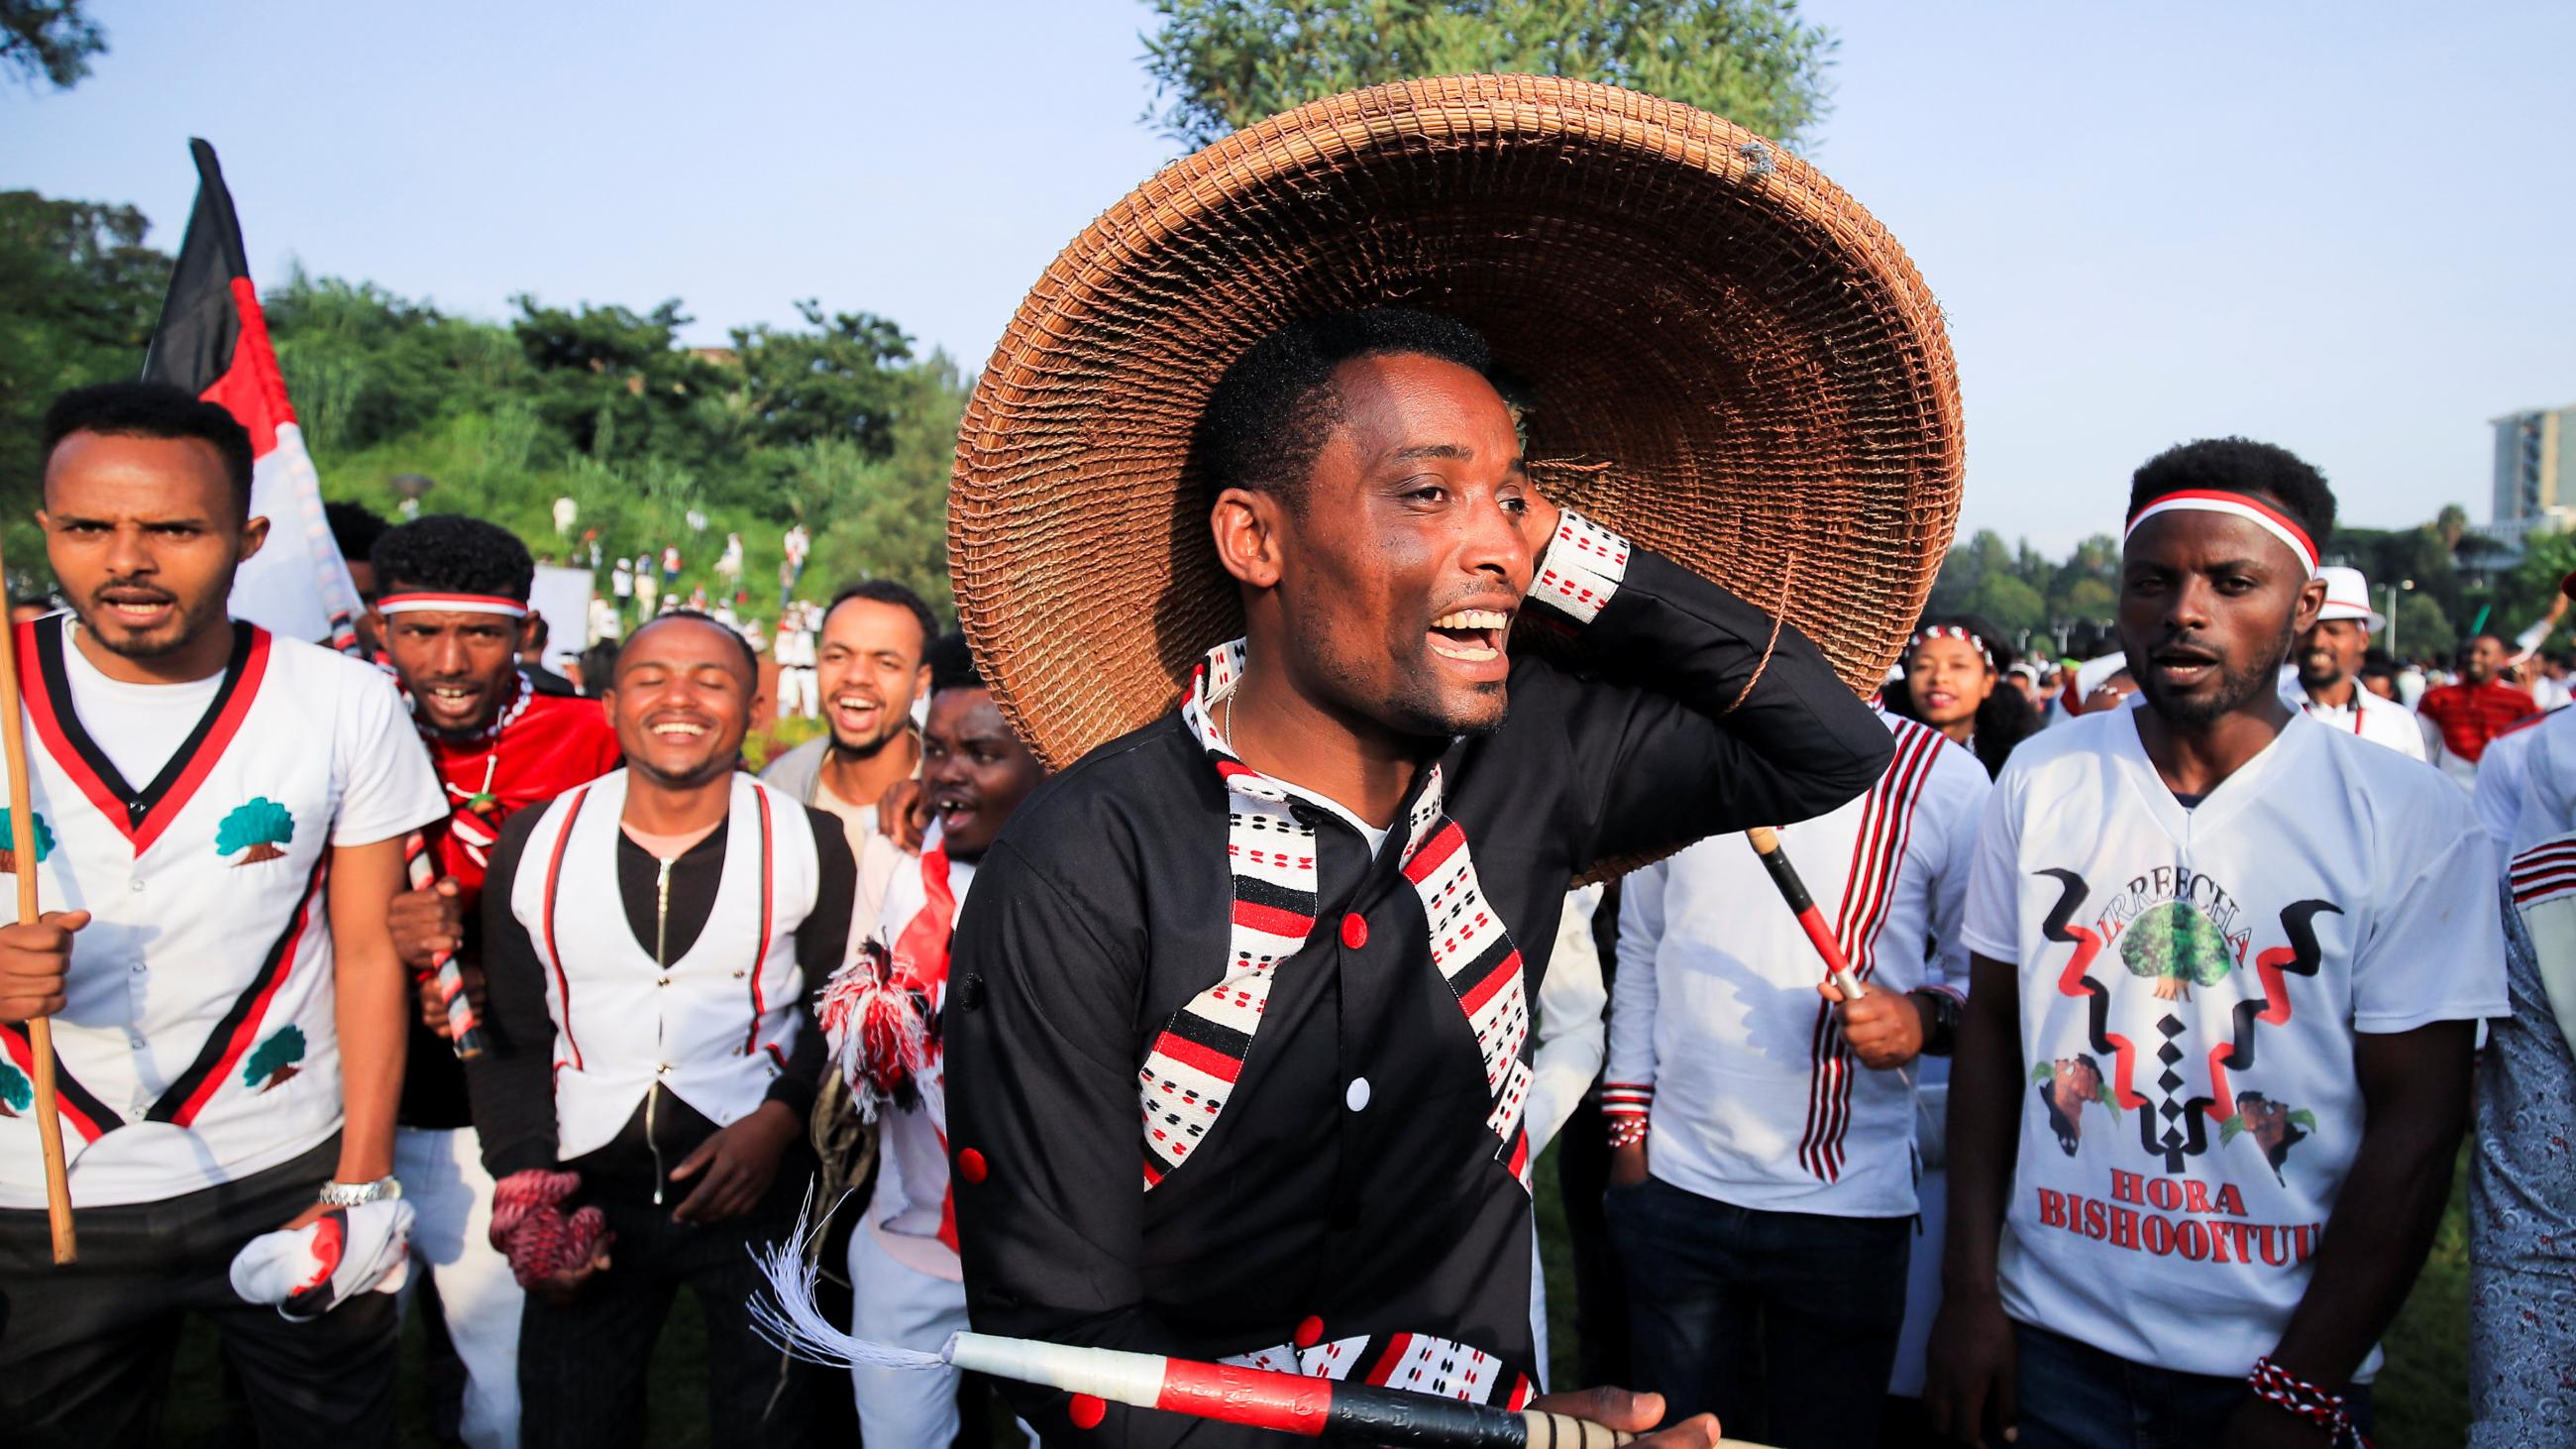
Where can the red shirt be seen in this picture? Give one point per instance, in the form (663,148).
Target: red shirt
(2470,715)
(555,743)
(551,744)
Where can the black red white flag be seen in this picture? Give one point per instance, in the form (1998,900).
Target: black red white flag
(213,341)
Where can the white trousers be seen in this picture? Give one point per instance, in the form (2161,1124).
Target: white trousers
(909,1309)
(443,1179)
(798,694)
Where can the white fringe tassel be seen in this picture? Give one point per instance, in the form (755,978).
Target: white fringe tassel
(788,1317)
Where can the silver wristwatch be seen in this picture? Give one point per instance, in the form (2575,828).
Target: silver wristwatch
(351,1194)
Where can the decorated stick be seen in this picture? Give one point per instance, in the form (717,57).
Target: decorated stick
(40,1030)
(1313,1408)
(1766,844)
(463,1032)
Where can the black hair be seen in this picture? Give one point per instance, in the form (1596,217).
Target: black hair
(2004,720)
(355,528)
(2243,466)
(449,553)
(750,656)
(152,410)
(952,664)
(598,667)
(887,591)
(1274,408)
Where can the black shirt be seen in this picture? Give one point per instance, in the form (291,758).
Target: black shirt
(1380,1211)
(512,1082)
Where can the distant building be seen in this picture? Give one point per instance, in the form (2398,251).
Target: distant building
(2535,473)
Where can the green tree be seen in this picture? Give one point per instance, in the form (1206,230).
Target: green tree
(49,40)
(2010,604)
(2176,947)
(256,829)
(838,381)
(888,517)
(1220,65)
(79,292)
(273,1061)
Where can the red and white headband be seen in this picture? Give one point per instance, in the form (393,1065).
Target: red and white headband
(2237,505)
(1960,632)
(426,603)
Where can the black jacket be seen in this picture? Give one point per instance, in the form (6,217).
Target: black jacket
(1375,1212)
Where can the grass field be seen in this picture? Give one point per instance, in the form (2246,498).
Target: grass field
(2422,1394)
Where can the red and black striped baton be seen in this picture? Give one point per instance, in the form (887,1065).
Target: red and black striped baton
(463,1032)
(1766,844)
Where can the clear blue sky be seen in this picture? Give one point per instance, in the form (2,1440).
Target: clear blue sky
(2350,228)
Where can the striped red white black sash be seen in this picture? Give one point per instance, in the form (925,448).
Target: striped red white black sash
(1869,891)
(1197,1059)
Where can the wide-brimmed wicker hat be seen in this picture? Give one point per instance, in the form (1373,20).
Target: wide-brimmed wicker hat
(1726,358)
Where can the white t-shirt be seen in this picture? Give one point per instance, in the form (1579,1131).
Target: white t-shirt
(137,726)
(1717,1035)
(198,1043)
(2380,721)
(2191,982)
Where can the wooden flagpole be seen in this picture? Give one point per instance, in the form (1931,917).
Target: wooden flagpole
(40,1030)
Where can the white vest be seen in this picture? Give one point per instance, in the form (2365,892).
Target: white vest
(715,1026)
(198,1044)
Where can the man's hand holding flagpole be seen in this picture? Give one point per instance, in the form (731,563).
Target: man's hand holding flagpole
(40,1033)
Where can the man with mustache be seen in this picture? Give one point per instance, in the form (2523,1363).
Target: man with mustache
(2158,1280)
(2463,716)
(449,601)
(869,666)
(219,823)
(904,1273)
(2327,669)
(1342,797)
(651,940)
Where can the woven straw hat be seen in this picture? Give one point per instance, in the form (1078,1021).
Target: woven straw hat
(1727,359)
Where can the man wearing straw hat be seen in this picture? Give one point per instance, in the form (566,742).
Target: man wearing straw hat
(219,820)
(1238,1024)
(1294,902)
(2325,669)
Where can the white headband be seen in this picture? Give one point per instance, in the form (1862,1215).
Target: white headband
(423,603)
(2202,500)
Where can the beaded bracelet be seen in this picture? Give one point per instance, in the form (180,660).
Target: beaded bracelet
(2294,1395)
(1625,1131)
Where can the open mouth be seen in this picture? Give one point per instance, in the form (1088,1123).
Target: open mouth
(1939,699)
(140,611)
(677,729)
(856,712)
(452,697)
(955,811)
(1471,636)
(2184,666)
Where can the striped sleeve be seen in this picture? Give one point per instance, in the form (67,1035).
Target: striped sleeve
(1628,1080)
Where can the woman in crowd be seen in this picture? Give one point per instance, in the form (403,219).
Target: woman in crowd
(1954,682)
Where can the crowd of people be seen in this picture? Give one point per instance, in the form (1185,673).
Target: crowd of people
(2160,988)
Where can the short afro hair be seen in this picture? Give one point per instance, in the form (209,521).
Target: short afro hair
(449,553)
(1275,407)
(952,664)
(2240,465)
(153,410)
(887,591)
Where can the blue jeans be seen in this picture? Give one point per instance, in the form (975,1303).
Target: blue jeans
(1782,1324)
(2075,1396)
